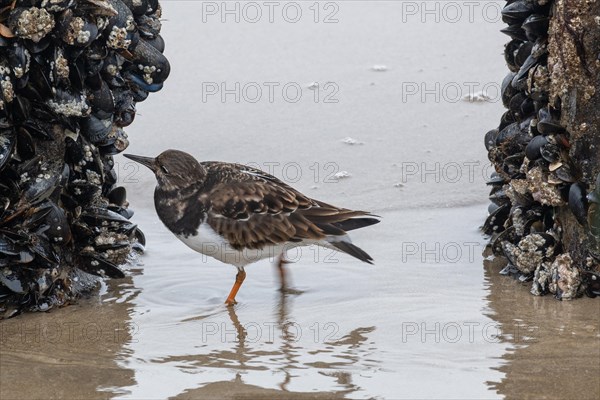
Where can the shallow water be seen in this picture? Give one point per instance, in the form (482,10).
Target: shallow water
(430,320)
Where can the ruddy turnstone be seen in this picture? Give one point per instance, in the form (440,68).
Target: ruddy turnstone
(239,215)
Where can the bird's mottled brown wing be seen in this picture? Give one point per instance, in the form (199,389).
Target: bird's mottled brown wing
(255,214)
(252,209)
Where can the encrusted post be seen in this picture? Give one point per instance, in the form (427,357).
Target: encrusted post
(574,63)
(71,73)
(545,216)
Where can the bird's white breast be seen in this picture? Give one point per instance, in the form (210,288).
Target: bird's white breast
(210,243)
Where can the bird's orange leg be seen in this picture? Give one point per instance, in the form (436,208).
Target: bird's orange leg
(239,279)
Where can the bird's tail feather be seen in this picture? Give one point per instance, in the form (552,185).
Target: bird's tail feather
(352,250)
(355,223)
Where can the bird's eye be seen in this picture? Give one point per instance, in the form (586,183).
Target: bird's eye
(164,169)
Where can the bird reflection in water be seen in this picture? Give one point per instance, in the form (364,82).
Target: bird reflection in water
(339,358)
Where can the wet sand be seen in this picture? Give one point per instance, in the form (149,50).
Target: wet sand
(554,346)
(429,320)
(69,353)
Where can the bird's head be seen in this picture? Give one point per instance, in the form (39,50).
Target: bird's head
(173,169)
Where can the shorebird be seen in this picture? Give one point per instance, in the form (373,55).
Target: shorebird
(239,214)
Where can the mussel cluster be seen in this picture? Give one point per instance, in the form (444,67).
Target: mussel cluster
(71,73)
(535,175)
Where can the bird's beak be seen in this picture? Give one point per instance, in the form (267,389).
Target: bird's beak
(146,161)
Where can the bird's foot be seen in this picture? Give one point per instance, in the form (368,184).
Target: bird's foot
(230,302)
(289,290)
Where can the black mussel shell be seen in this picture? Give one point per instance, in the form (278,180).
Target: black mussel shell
(536,26)
(512,165)
(507,118)
(96,130)
(118,196)
(39,128)
(510,50)
(565,174)
(95,264)
(39,187)
(125,108)
(592,280)
(20,109)
(490,139)
(125,212)
(550,152)
(527,108)
(152,7)
(534,147)
(74,153)
(506,133)
(121,20)
(515,31)
(517,12)
(158,43)
(507,89)
(549,122)
(498,196)
(58,230)
(514,105)
(95,216)
(39,84)
(523,53)
(81,231)
(141,241)
(495,221)
(496,179)
(506,251)
(578,203)
(44,252)
(520,80)
(113,245)
(150,63)
(26,148)
(513,139)
(102,101)
(19,59)
(492,207)
(110,175)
